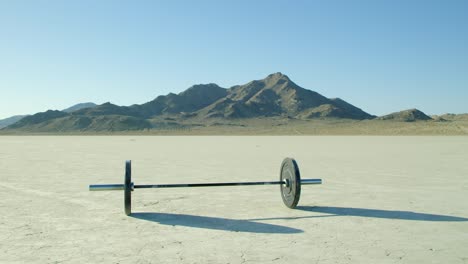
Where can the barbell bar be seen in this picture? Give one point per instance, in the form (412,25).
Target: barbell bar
(290,184)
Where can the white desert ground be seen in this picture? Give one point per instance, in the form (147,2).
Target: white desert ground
(383,200)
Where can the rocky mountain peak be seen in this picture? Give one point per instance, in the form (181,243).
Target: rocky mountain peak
(277,76)
(275,79)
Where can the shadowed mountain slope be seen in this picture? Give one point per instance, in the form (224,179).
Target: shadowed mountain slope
(58,121)
(10,120)
(39,118)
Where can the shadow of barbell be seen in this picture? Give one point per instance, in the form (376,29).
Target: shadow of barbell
(251,226)
(216,223)
(330,211)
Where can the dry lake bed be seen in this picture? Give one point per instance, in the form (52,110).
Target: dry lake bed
(383,200)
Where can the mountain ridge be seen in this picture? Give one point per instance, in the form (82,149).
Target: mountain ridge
(14,119)
(274,96)
(79,106)
(10,120)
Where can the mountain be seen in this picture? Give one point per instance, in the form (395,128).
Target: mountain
(38,118)
(58,121)
(10,120)
(79,107)
(274,96)
(409,115)
(191,100)
(277,95)
(13,119)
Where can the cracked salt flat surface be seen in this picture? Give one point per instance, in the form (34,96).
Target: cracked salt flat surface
(384,200)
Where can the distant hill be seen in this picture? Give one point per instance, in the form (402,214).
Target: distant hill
(58,121)
(79,107)
(409,115)
(274,96)
(10,120)
(453,117)
(39,118)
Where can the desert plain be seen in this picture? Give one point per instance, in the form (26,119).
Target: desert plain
(384,199)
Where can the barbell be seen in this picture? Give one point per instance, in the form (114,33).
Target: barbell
(290,184)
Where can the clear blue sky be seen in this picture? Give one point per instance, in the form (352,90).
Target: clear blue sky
(382,56)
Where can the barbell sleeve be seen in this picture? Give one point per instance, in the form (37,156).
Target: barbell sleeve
(311,181)
(106,187)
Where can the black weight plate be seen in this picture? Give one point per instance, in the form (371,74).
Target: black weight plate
(290,192)
(128,188)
